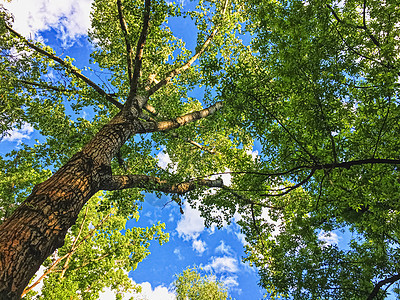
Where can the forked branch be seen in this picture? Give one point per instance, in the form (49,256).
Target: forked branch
(72,69)
(187,65)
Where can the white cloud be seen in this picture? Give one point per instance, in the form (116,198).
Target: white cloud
(223,248)
(18,134)
(329,238)
(71,19)
(191,223)
(199,246)
(148,293)
(159,293)
(222,264)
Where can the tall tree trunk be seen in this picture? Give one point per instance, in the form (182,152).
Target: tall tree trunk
(39,225)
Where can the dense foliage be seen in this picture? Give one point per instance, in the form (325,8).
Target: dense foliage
(322,97)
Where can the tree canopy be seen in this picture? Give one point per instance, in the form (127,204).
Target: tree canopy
(191,285)
(317,89)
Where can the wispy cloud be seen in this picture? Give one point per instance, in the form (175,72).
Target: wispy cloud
(222,264)
(224,249)
(178,253)
(230,281)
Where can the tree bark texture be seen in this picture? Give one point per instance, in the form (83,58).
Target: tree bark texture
(39,225)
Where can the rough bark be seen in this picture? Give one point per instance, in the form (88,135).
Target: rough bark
(39,225)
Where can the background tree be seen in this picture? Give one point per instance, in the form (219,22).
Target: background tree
(322,98)
(147,73)
(191,285)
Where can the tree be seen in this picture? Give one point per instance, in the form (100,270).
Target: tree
(191,285)
(322,98)
(149,95)
(318,90)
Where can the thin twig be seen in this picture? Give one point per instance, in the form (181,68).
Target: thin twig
(72,250)
(381,129)
(291,188)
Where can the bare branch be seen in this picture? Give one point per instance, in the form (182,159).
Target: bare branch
(340,20)
(72,250)
(75,71)
(284,127)
(182,120)
(381,133)
(120,182)
(46,86)
(183,68)
(248,201)
(129,50)
(139,54)
(348,164)
(363,27)
(47,272)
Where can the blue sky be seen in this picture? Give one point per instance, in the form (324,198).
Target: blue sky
(63,25)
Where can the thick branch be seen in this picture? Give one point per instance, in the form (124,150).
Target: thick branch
(129,50)
(67,255)
(139,54)
(381,283)
(120,182)
(75,71)
(182,120)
